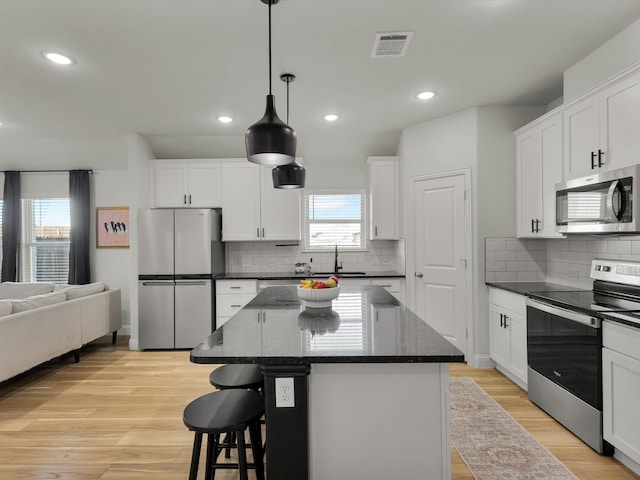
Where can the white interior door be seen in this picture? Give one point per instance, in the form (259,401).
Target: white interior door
(440,228)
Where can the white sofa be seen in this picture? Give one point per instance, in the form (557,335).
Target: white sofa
(42,321)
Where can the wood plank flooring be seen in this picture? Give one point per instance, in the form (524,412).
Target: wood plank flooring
(117,415)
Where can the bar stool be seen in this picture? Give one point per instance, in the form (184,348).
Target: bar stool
(236,375)
(226,411)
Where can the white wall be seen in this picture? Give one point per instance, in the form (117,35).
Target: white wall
(139,193)
(480,139)
(611,58)
(110,265)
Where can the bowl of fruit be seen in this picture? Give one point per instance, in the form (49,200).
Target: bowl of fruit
(319,293)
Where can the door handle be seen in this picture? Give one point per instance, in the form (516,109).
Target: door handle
(600,153)
(537,225)
(533,230)
(419,274)
(376,229)
(505,322)
(463,260)
(501,320)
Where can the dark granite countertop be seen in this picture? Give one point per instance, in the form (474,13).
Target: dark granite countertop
(524,288)
(294,276)
(365,324)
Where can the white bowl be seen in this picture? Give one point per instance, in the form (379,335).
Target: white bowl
(318,297)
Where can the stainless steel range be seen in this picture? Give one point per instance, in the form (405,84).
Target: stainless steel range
(564,346)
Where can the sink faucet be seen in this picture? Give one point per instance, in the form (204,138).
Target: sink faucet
(335,263)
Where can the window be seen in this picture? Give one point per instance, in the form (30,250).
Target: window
(335,219)
(45,240)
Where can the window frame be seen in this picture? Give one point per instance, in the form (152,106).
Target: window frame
(27,273)
(363,222)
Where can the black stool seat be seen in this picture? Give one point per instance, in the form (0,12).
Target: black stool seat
(226,411)
(248,376)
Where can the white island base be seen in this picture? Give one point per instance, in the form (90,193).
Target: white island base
(379,421)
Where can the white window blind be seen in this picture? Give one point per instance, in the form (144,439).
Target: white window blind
(45,240)
(335,219)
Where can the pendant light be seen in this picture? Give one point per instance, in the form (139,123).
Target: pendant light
(291,175)
(270,141)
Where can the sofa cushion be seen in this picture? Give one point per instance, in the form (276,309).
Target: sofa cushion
(11,290)
(37,301)
(5,307)
(78,291)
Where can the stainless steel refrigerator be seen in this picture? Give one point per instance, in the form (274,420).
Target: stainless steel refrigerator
(179,253)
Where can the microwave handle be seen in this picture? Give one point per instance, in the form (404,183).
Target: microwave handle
(615,185)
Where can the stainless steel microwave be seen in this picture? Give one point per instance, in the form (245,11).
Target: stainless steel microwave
(599,203)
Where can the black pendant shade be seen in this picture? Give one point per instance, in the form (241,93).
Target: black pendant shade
(270,141)
(289,176)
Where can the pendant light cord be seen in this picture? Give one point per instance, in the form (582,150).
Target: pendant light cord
(288,81)
(270,48)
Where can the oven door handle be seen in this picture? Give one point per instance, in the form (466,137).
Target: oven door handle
(563,312)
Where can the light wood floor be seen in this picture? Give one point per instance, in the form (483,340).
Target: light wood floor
(117,415)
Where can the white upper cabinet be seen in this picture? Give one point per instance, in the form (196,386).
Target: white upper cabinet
(602,131)
(539,168)
(384,199)
(186,183)
(253,210)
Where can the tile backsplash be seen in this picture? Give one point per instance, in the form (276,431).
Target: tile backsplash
(267,257)
(563,260)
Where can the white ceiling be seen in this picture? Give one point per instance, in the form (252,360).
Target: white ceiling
(167,68)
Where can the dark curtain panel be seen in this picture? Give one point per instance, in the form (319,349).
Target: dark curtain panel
(79,198)
(11,227)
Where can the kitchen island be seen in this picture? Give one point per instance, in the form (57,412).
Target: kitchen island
(356,390)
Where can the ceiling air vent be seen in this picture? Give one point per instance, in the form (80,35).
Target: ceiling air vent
(391,44)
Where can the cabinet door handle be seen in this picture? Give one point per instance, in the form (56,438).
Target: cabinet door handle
(593,160)
(501,320)
(262,232)
(533,228)
(258,232)
(600,153)
(537,225)
(376,230)
(189,199)
(235,287)
(505,322)
(236,306)
(185,199)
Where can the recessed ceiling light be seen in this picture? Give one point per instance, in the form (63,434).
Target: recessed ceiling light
(225,119)
(58,58)
(331,117)
(425,95)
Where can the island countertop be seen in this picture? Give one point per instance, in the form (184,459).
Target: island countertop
(365,324)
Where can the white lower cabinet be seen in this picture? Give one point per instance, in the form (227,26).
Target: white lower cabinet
(508,333)
(395,286)
(621,390)
(231,296)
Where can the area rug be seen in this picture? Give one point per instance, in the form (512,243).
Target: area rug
(492,444)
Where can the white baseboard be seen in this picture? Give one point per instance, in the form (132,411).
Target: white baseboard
(627,462)
(481,361)
(133,344)
(512,377)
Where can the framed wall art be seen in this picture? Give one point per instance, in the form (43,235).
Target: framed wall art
(112,227)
